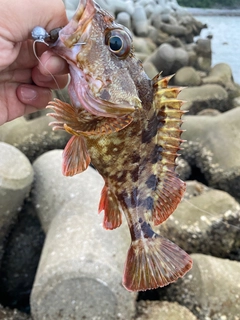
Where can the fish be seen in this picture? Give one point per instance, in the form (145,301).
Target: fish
(129,128)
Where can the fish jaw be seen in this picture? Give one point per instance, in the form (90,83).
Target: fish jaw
(81,96)
(101,81)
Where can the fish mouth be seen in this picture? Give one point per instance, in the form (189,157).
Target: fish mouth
(84,89)
(83,98)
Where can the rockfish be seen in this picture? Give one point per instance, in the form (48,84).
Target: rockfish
(128,126)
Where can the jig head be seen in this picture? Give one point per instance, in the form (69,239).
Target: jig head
(39,34)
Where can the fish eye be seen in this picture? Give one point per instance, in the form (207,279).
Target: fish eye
(118,42)
(115,43)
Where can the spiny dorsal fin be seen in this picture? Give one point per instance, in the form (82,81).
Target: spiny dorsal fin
(164,189)
(170,188)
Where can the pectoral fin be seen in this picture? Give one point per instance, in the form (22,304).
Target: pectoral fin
(75,156)
(78,121)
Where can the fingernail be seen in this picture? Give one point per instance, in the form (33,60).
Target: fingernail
(28,93)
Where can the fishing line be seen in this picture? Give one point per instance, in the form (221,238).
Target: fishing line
(210,214)
(35,54)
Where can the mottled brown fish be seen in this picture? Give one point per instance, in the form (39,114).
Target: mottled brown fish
(128,126)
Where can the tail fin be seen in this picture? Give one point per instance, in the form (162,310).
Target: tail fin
(153,263)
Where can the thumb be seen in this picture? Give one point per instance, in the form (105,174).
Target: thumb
(28,14)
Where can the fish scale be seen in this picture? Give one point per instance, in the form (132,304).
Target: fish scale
(134,151)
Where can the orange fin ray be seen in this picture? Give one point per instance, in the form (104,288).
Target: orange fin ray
(75,156)
(169,194)
(154,262)
(106,125)
(64,113)
(81,122)
(112,215)
(168,189)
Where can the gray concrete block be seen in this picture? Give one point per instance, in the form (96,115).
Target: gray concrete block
(16,176)
(80,271)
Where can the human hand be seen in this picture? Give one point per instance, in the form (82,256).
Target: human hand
(25,84)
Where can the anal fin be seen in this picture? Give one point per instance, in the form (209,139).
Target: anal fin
(112,215)
(154,262)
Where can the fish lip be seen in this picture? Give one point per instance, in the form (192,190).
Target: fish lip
(79,27)
(86,99)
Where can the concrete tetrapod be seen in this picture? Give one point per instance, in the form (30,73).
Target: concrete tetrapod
(79,275)
(16,176)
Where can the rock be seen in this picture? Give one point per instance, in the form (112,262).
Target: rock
(206,96)
(16,176)
(203,47)
(175,42)
(204,53)
(33,137)
(80,261)
(20,259)
(194,188)
(213,148)
(163,310)
(220,74)
(187,76)
(183,169)
(211,288)
(205,224)
(236,102)
(209,112)
(143,45)
(149,8)
(141,56)
(203,63)
(173,30)
(8,314)
(163,58)
(157,36)
(192,56)
(150,69)
(181,59)
(169,19)
(116,6)
(139,22)
(124,18)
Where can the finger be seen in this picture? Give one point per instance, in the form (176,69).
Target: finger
(34,96)
(50,63)
(49,81)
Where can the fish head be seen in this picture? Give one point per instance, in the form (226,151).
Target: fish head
(100,56)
